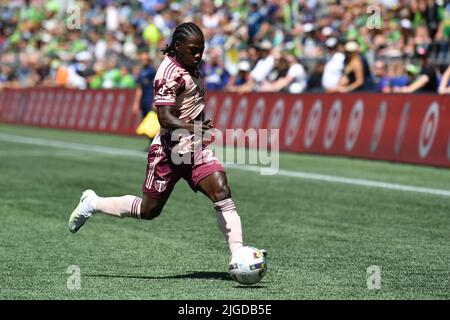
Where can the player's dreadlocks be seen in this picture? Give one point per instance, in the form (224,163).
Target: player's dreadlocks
(182,32)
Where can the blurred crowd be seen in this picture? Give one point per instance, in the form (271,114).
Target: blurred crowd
(251,45)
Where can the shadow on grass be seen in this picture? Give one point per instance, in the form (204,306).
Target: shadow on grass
(250,287)
(192,275)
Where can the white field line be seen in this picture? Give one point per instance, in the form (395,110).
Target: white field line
(70,145)
(250,168)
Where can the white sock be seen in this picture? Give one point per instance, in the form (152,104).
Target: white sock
(121,207)
(229,223)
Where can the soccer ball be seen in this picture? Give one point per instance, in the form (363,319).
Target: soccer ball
(247,265)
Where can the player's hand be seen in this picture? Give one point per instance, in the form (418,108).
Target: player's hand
(207,125)
(208,131)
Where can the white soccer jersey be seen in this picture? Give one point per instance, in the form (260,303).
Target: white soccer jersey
(176,87)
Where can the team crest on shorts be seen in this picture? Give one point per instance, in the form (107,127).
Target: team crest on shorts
(160,184)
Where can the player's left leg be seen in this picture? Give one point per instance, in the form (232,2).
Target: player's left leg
(160,179)
(215,187)
(90,203)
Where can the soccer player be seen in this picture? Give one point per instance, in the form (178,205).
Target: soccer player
(179,99)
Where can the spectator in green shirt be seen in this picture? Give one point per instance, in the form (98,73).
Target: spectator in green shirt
(126,81)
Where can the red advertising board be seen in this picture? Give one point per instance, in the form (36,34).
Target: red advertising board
(405,128)
(87,110)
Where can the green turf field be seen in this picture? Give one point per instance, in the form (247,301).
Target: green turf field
(321,236)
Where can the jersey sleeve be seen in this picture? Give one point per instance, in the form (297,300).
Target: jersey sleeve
(166,90)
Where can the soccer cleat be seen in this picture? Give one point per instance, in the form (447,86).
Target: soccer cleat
(82,212)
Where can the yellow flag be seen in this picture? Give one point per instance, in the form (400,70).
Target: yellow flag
(149,126)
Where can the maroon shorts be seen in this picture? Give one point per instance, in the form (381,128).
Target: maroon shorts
(162,173)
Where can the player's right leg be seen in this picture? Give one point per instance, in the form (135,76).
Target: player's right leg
(215,187)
